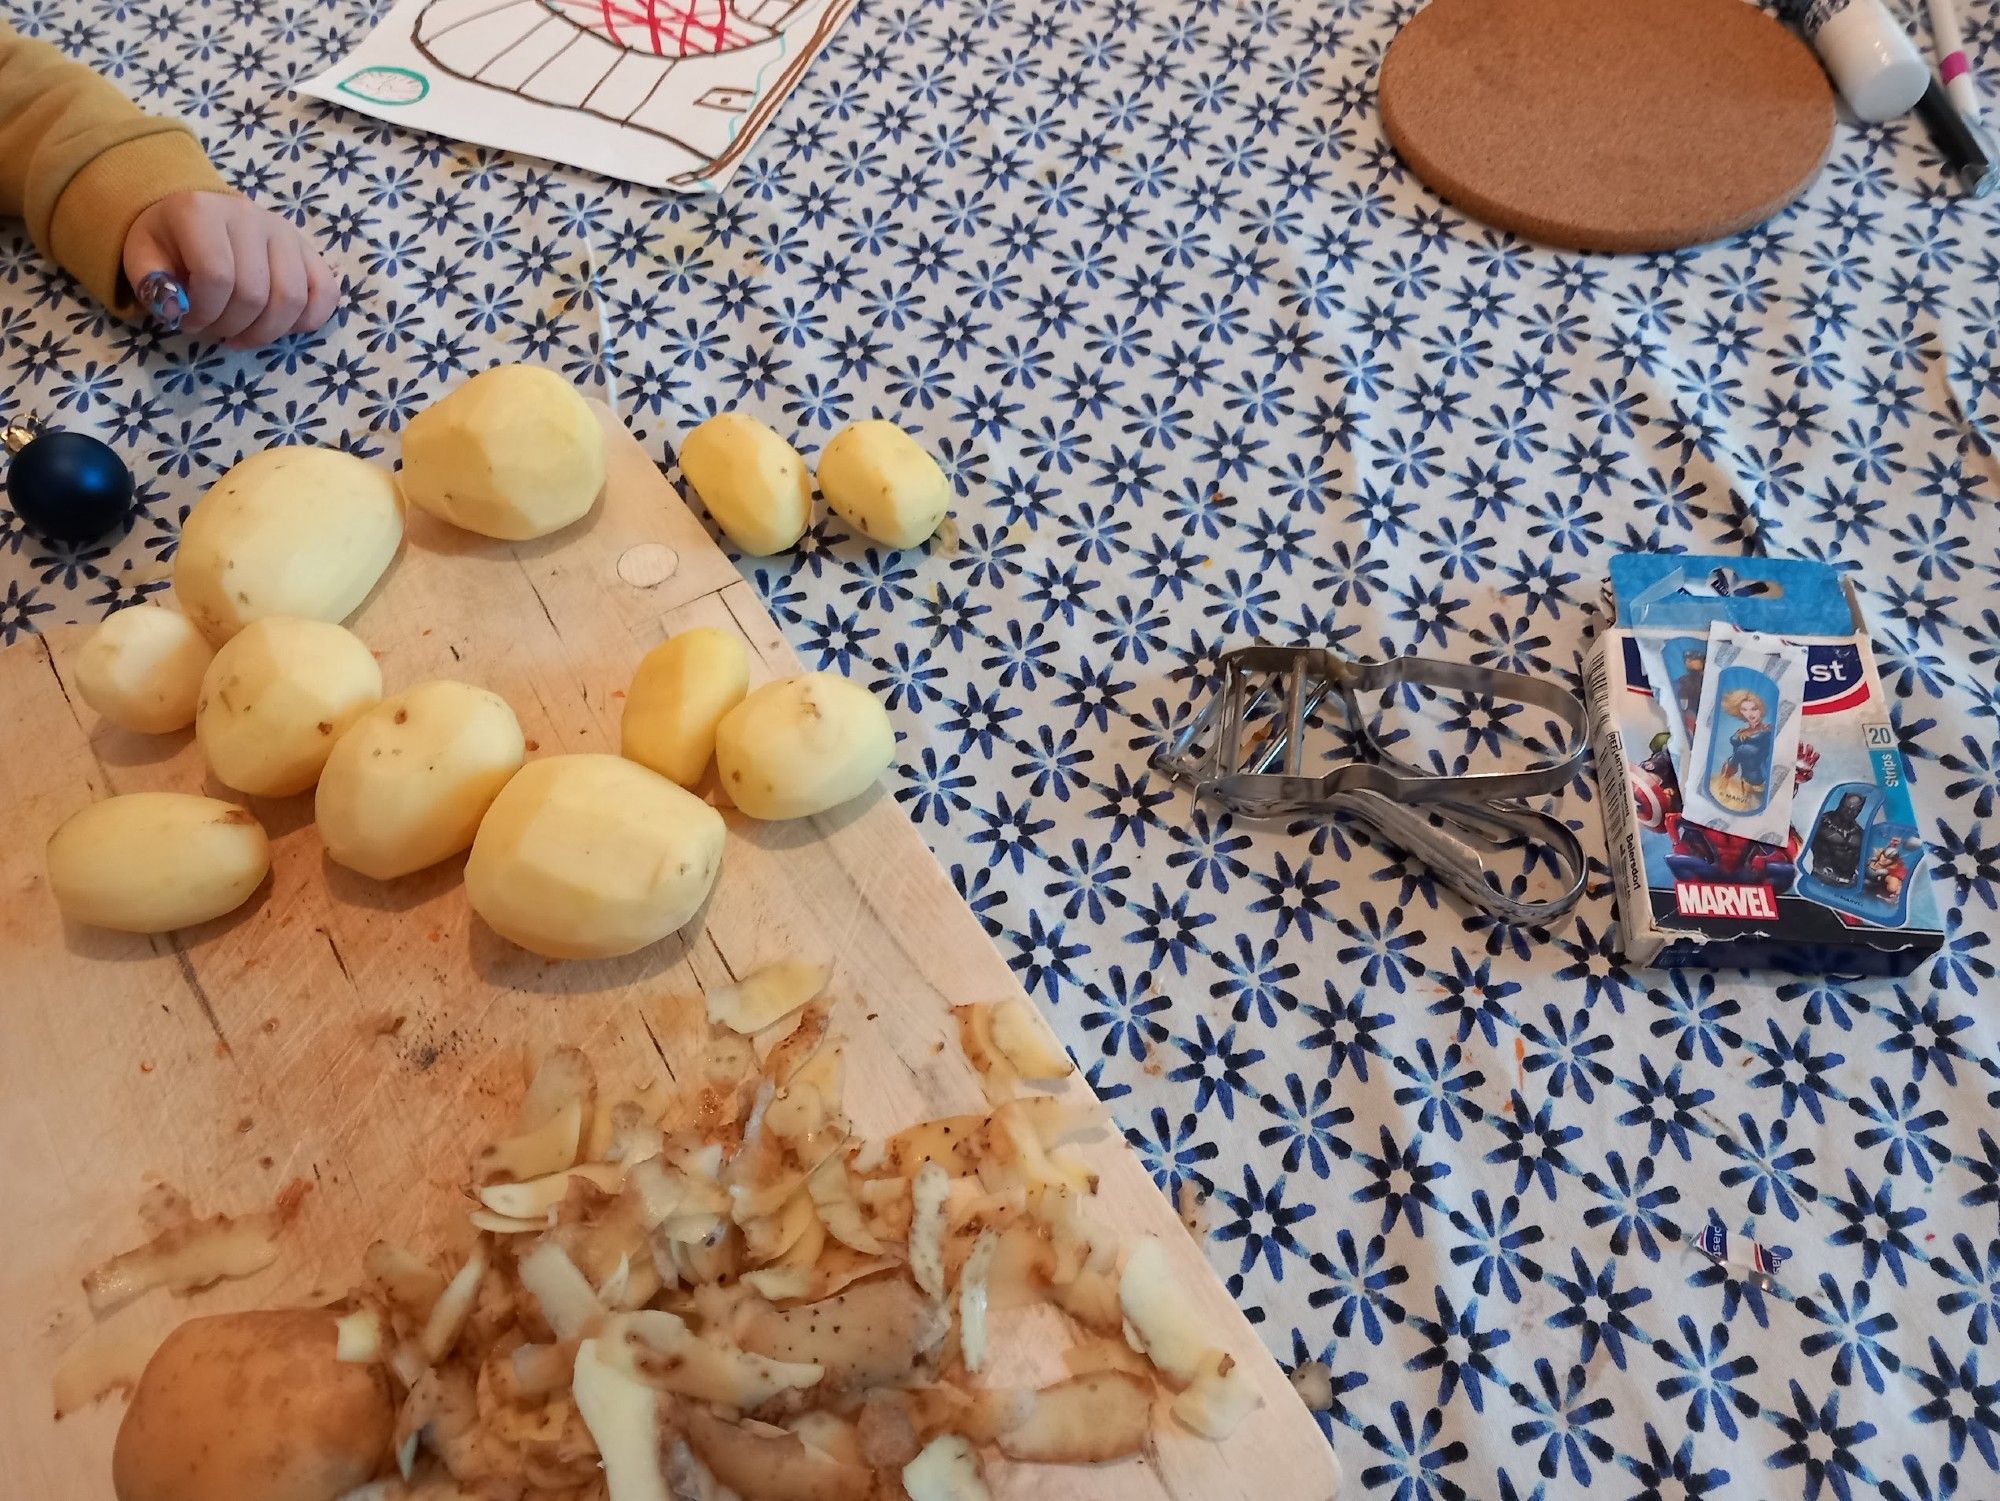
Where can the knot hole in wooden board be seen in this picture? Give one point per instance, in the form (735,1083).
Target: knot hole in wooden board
(648,564)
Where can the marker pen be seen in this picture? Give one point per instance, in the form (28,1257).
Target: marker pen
(1968,155)
(1953,69)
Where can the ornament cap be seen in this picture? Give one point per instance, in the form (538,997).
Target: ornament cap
(19,433)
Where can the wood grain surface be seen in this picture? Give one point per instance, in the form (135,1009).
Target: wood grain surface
(365,1038)
(1607,124)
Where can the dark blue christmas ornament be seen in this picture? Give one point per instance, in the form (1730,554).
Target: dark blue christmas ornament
(65,487)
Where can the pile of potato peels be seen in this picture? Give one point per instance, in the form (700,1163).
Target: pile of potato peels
(719,1291)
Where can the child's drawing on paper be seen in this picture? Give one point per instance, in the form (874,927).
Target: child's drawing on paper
(668,92)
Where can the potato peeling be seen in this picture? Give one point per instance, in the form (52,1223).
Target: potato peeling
(1098,1416)
(1157,1319)
(1313,1381)
(927,1198)
(186,1257)
(448,1314)
(772,1464)
(540,1149)
(718,1290)
(358,1337)
(767,996)
(102,1362)
(1007,1044)
(946,1470)
(973,1295)
(1220,1397)
(623,1415)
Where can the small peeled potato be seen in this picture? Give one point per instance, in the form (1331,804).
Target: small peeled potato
(802,745)
(881,482)
(678,696)
(141,669)
(253,1407)
(753,482)
(149,862)
(277,697)
(589,857)
(515,452)
(408,784)
(290,531)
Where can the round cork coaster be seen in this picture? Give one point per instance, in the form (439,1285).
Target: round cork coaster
(1607,124)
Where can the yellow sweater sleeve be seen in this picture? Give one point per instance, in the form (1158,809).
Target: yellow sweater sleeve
(80,162)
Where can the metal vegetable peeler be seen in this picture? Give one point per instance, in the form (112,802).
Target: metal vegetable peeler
(1245,748)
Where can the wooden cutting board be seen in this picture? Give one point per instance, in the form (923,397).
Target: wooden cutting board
(366,1038)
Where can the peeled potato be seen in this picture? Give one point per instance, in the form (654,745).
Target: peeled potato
(802,745)
(149,862)
(291,531)
(141,669)
(515,453)
(753,482)
(681,691)
(275,699)
(253,1407)
(588,857)
(881,482)
(409,783)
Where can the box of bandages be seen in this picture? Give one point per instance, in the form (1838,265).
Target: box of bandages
(1757,807)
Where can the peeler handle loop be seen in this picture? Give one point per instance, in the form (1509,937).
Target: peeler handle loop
(1460,843)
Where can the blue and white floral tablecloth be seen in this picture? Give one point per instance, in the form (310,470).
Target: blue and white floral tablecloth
(1207,365)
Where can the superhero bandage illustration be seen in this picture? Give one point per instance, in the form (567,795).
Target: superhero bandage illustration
(1746,735)
(1675,666)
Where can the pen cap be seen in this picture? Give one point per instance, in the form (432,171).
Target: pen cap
(1869,56)
(1968,155)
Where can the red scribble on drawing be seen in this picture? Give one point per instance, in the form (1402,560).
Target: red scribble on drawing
(664,28)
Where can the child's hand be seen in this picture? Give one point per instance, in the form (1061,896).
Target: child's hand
(250,276)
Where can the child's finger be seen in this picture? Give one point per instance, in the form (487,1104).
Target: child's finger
(249,243)
(195,248)
(287,296)
(323,293)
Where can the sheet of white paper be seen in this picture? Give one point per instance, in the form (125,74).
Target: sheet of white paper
(669,93)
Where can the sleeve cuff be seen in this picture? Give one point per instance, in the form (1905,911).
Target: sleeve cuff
(96,209)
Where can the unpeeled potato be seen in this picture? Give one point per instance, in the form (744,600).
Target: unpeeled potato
(253,1407)
(589,857)
(141,669)
(802,745)
(408,784)
(678,696)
